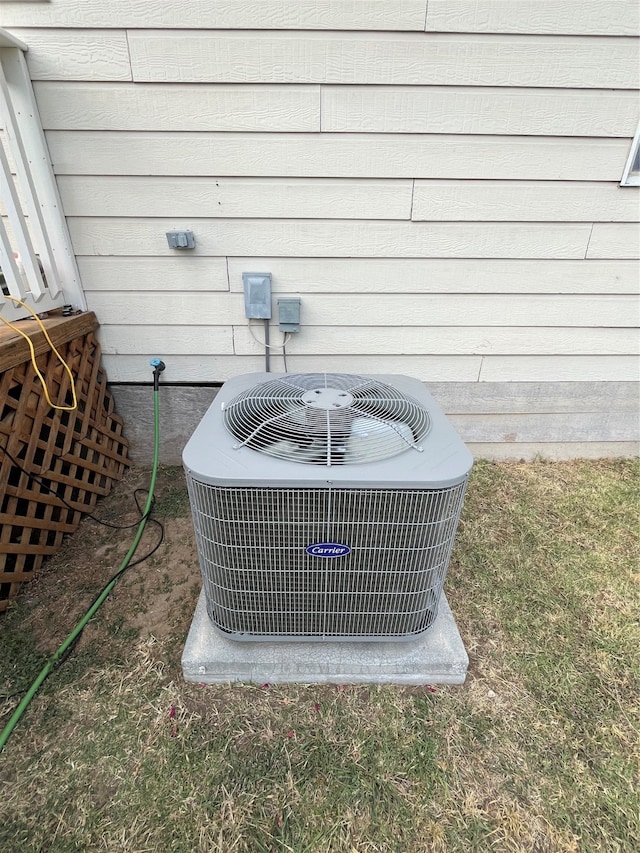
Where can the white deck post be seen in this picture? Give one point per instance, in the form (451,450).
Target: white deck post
(40,234)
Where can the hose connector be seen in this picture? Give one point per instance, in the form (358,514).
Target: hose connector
(158,366)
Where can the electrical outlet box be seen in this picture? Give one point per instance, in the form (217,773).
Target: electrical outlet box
(181,240)
(289,313)
(257,295)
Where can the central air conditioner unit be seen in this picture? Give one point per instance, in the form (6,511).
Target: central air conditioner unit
(325,506)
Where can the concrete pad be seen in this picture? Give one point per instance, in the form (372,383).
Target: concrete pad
(438,657)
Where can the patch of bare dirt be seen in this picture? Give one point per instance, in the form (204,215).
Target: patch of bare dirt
(155,598)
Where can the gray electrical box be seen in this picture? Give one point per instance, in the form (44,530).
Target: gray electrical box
(257,295)
(181,240)
(289,313)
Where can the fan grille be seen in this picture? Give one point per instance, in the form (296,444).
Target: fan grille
(327,419)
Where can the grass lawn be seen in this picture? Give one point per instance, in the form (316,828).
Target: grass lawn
(538,751)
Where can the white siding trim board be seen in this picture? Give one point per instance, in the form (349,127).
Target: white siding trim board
(443,340)
(345,109)
(458,368)
(614,240)
(360,275)
(64,54)
(331,155)
(348,238)
(590,17)
(594,17)
(439,275)
(342,198)
(523,201)
(179,107)
(301,198)
(388,58)
(384,312)
(169,274)
(222,14)
(214,368)
(478,110)
(176,339)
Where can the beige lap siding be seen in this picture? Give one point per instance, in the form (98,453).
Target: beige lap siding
(438,182)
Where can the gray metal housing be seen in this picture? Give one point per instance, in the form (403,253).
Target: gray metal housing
(210,457)
(290,551)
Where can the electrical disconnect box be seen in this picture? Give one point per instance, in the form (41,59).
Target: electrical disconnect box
(257,295)
(289,313)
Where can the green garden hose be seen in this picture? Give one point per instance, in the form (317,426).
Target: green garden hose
(158,367)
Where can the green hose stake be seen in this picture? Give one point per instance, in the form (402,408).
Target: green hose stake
(158,367)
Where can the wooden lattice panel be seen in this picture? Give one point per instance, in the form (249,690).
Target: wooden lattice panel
(77,455)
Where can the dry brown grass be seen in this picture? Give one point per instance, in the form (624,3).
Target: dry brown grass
(538,751)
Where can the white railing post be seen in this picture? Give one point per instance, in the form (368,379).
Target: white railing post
(21,236)
(46,275)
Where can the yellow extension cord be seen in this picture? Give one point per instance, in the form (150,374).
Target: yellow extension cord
(33,356)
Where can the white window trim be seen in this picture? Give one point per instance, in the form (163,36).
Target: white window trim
(629,178)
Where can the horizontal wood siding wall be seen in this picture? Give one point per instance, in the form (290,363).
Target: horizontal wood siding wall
(438,181)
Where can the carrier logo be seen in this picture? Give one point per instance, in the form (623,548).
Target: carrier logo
(327,549)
